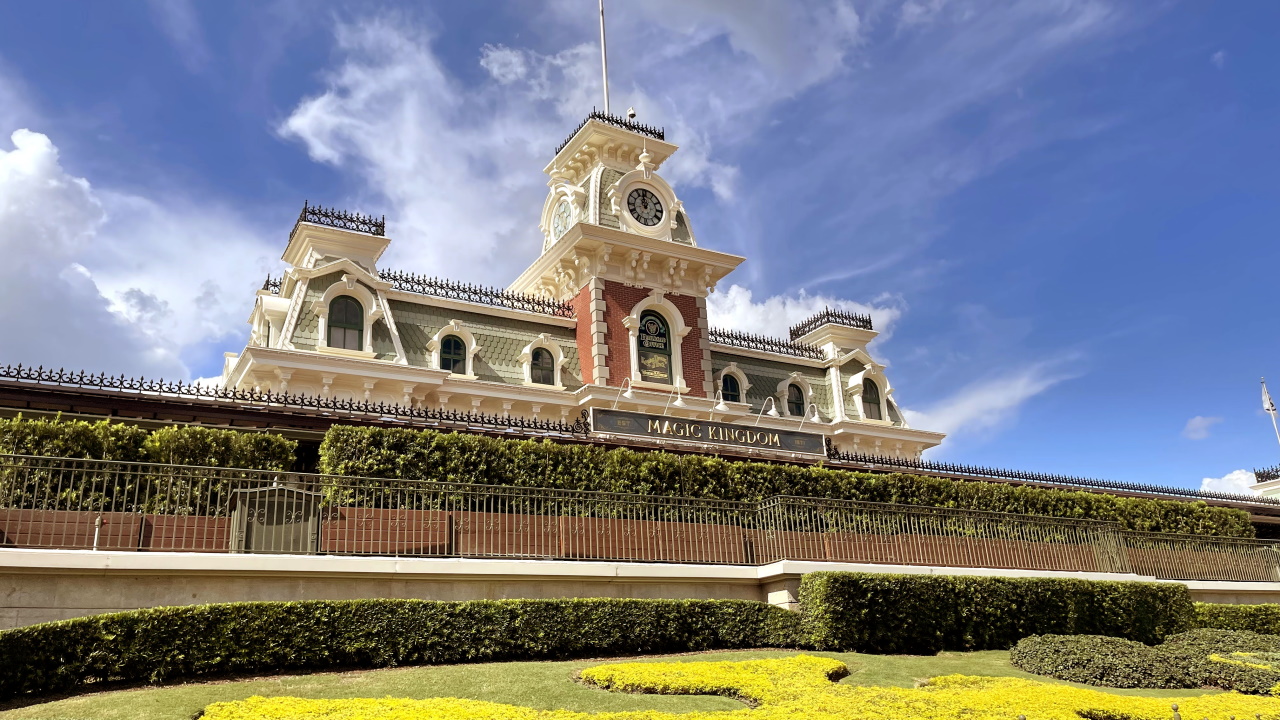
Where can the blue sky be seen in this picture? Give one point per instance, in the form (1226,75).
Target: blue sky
(1062,213)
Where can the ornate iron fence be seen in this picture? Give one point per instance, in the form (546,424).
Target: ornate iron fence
(438,287)
(830,317)
(253,400)
(761,342)
(654,132)
(342,219)
(141,507)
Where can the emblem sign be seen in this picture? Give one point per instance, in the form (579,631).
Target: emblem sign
(654,350)
(620,422)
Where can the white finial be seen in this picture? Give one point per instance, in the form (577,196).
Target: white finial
(604,60)
(631,113)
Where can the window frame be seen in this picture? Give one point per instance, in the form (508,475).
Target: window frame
(334,321)
(725,395)
(799,396)
(460,357)
(871,408)
(547,369)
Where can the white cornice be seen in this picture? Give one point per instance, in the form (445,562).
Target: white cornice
(270,358)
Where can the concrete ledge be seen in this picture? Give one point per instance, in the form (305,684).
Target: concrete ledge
(42,585)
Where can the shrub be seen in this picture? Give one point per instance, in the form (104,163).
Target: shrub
(397,453)
(782,689)
(175,444)
(882,613)
(1231,660)
(1263,618)
(178,642)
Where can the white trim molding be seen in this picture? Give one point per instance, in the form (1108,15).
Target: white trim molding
(657,302)
(558,360)
(795,378)
(743,384)
(455,327)
(373,311)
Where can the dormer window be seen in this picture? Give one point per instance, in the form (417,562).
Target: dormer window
(730,390)
(453,355)
(795,401)
(871,400)
(542,368)
(346,323)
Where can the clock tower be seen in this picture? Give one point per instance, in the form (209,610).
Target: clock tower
(619,246)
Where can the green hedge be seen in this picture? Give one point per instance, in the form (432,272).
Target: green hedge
(454,457)
(180,642)
(880,613)
(176,444)
(1254,618)
(1181,661)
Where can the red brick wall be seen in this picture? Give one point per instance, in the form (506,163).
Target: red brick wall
(619,299)
(582,311)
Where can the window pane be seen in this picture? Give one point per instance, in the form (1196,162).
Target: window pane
(795,400)
(729,389)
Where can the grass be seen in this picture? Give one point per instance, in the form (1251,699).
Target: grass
(540,685)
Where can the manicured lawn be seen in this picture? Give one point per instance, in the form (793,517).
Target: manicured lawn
(541,685)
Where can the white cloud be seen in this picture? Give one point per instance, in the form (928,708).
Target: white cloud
(456,166)
(736,309)
(1219,59)
(989,404)
(111,282)
(1237,481)
(1198,427)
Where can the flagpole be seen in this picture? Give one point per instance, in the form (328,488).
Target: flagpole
(604,67)
(1270,408)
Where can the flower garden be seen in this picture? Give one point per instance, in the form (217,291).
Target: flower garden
(1065,635)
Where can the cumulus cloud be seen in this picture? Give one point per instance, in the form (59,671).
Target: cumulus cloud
(1198,427)
(988,404)
(1236,481)
(736,309)
(104,281)
(443,156)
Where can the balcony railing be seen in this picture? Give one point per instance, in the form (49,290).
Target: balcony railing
(140,507)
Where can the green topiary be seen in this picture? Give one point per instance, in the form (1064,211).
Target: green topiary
(403,454)
(883,613)
(169,643)
(1232,660)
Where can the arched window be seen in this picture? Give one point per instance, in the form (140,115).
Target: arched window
(871,400)
(346,323)
(653,348)
(795,401)
(730,390)
(542,368)
(453,355)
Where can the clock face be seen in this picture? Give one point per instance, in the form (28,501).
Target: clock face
(560,220)
(645,207)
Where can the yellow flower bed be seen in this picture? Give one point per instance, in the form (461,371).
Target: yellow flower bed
(794,688)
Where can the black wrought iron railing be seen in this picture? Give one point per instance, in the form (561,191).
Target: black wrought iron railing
(620,122)
(343,219)
(763,343)
(1267,474)
(830,317)
(438,287)
(361,411)
(62,503)
(273,285)
(981,471)
(284,401)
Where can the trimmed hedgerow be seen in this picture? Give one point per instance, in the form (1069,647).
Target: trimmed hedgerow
(175,445)
(398,453)
(169,643)
(1232,660)
(1264,618)
(882,613)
